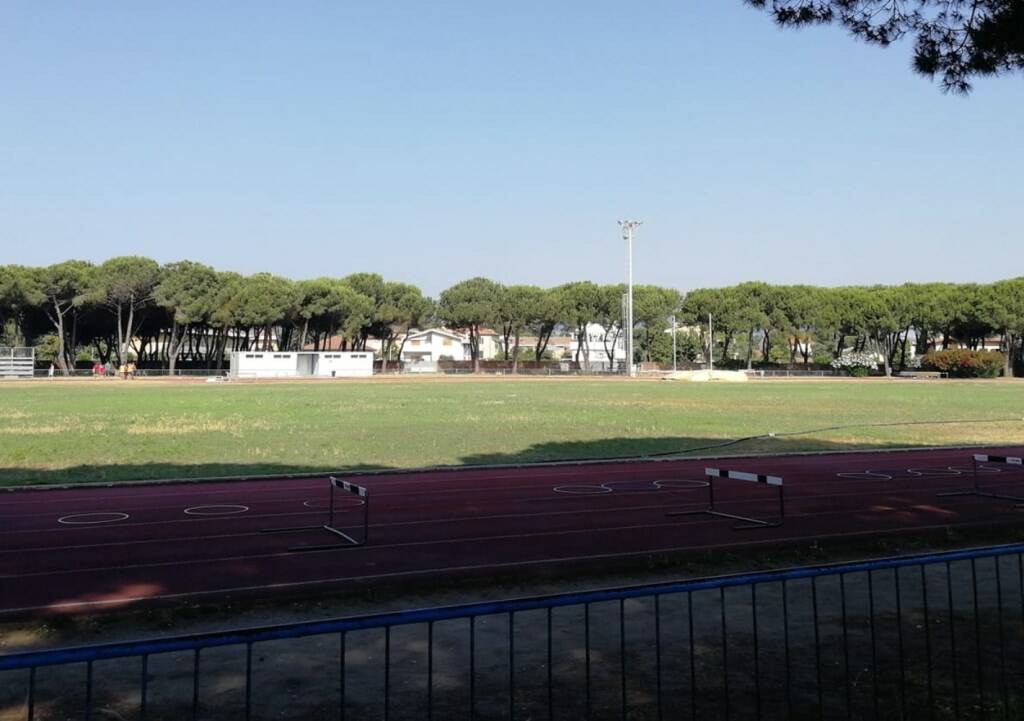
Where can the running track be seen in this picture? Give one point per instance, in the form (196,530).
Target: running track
(451,522)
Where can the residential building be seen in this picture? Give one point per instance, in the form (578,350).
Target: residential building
(434,344)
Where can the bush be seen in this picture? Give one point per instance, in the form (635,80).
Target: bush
(962,363)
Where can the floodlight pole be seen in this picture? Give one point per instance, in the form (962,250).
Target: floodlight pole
(627,234)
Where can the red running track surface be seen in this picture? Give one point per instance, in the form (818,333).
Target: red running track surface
(463,521)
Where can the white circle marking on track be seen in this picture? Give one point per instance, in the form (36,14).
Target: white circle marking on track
(323,505)
(105,517)
(227,509)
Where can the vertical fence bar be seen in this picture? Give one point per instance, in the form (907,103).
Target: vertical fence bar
(874,643)
(551,673)
(472,667)
(88,690)
(622,652)
(725,652)
(511,665)
(757,663)
(788,669)
(144,687)
(1020,581)
(927,643)
(387,672)
(817,648)
(586,643)
(899,644)
(977,640)
(342,681)
(846,646)
(248,681)
(657,655)
(195,685)
(952,641)
(30,702)
(693,657)
(1004,693)
(430,670)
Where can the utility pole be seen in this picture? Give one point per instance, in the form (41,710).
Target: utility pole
(673,319)
(711,345)
(627,234)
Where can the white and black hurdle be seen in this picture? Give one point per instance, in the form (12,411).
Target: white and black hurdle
(748,522)
(349,541)
(977,490)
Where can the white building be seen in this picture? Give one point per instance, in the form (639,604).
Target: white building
(300,364)
(434,344)
(594,347)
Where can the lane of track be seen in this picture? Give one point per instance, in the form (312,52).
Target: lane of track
(444,521)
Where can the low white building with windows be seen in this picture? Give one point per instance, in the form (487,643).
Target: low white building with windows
(301,364)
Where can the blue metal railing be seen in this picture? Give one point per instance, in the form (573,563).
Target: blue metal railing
(768,599)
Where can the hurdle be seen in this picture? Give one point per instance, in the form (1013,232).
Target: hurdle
(350,542)
(748,522)
(977,490)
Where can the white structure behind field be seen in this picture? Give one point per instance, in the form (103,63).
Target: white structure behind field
(17,362)
(301,364)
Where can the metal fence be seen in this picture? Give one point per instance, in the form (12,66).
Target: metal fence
(140,372)
(16,362)
(937,636)
(775,373)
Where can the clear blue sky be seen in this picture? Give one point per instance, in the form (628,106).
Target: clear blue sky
(435,141)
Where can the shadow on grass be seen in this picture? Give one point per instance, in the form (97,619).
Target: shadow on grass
(674,447)
(121,473)
(591,450)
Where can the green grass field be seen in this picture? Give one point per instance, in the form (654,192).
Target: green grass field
(108,431)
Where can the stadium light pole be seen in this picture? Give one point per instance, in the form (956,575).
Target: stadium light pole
(627,234)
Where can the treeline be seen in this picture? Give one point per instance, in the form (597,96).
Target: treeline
(886,320)
(189,312)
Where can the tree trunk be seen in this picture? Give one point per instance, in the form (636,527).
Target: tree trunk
(474,347)
(385,349)
(515,355)
(61,360)
(220,352)
(506,333)
(883,343)
(1011,347)
(401,349)
(543,338)
(172,348)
